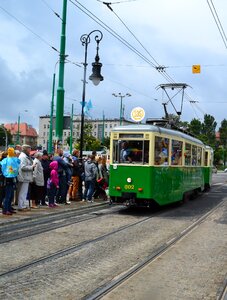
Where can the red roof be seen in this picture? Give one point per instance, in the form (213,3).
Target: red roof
(25,129)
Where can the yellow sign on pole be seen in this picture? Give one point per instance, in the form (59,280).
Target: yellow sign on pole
(196,69)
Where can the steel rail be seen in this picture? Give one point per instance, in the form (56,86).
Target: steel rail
(72,249)
(108,287)
(29,228)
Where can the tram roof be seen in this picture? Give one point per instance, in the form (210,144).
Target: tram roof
(155,128)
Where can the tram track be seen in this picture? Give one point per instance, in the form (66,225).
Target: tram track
(43,224)
(156,253)
(50,260)
(71,249)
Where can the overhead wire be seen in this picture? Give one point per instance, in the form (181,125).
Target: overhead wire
(159,68)
(56,14)
(217,21)
(29,29)
(110,30)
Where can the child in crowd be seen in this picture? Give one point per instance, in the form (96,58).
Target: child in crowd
(53,183)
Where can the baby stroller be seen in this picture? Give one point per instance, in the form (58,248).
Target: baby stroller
(100,189)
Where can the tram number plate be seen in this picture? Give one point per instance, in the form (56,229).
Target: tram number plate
(129,187)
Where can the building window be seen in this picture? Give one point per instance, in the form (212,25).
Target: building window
(44,126)
(44,142)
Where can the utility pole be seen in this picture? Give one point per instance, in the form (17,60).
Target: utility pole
(18,130)
(60,89)
(50,142)
(71,132)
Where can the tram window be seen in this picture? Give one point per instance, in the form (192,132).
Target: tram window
(199,156)
(161,153)
(188,154)
(194,155)
(128,151)
(176,152)
(206,158)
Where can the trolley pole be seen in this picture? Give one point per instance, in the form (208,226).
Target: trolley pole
(60,89)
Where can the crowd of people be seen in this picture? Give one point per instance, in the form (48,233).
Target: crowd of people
(43,179)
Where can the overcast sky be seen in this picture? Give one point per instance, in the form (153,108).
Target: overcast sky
(175,34)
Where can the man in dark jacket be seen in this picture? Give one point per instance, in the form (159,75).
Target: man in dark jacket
(46,173)
(90,172)
(63,174)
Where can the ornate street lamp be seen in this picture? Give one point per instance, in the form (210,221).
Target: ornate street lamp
(95,77)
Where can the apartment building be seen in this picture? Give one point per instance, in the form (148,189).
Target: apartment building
(100,127)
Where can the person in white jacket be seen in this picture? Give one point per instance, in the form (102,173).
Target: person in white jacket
(37,187)
(25,176)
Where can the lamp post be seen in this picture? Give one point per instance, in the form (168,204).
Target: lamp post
(95,77)
(120,95)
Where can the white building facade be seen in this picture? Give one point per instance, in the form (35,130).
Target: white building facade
(100,128)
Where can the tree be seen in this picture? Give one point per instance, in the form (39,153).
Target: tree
(223,138)
(3,137)
(208,130)
(195,127)
(90,142)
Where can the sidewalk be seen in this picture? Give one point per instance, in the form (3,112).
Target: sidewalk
(45,210)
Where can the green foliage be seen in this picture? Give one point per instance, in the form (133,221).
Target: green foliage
(195,127)
(205,131)
(223,139)
(106,142)
(90,142)
(3,138)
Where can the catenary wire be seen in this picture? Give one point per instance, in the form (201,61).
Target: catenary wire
(117,36)
(29,29)
(217,21)
(56,14)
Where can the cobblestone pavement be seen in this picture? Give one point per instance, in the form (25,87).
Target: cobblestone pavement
(45,210)
(194,268)
(79,273)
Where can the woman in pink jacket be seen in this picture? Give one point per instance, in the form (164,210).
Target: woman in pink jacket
(53,185)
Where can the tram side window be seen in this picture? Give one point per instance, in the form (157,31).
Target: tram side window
(130,151)
(161,154)
(188,154)
(194,155)
(199,156)
(206,159)
(176,152)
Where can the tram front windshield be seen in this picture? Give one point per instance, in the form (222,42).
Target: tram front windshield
(131,151)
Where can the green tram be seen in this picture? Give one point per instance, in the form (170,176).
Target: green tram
(151,164)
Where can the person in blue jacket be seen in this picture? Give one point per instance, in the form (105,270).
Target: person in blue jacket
(10,167)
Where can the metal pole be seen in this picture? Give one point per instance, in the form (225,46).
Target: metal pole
(85,39)
(121,110)
(18,130)
(103,125)
(83,103)
(60,89)
(51,117)
(71,132)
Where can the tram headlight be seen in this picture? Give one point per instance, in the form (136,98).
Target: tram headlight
(129,180)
